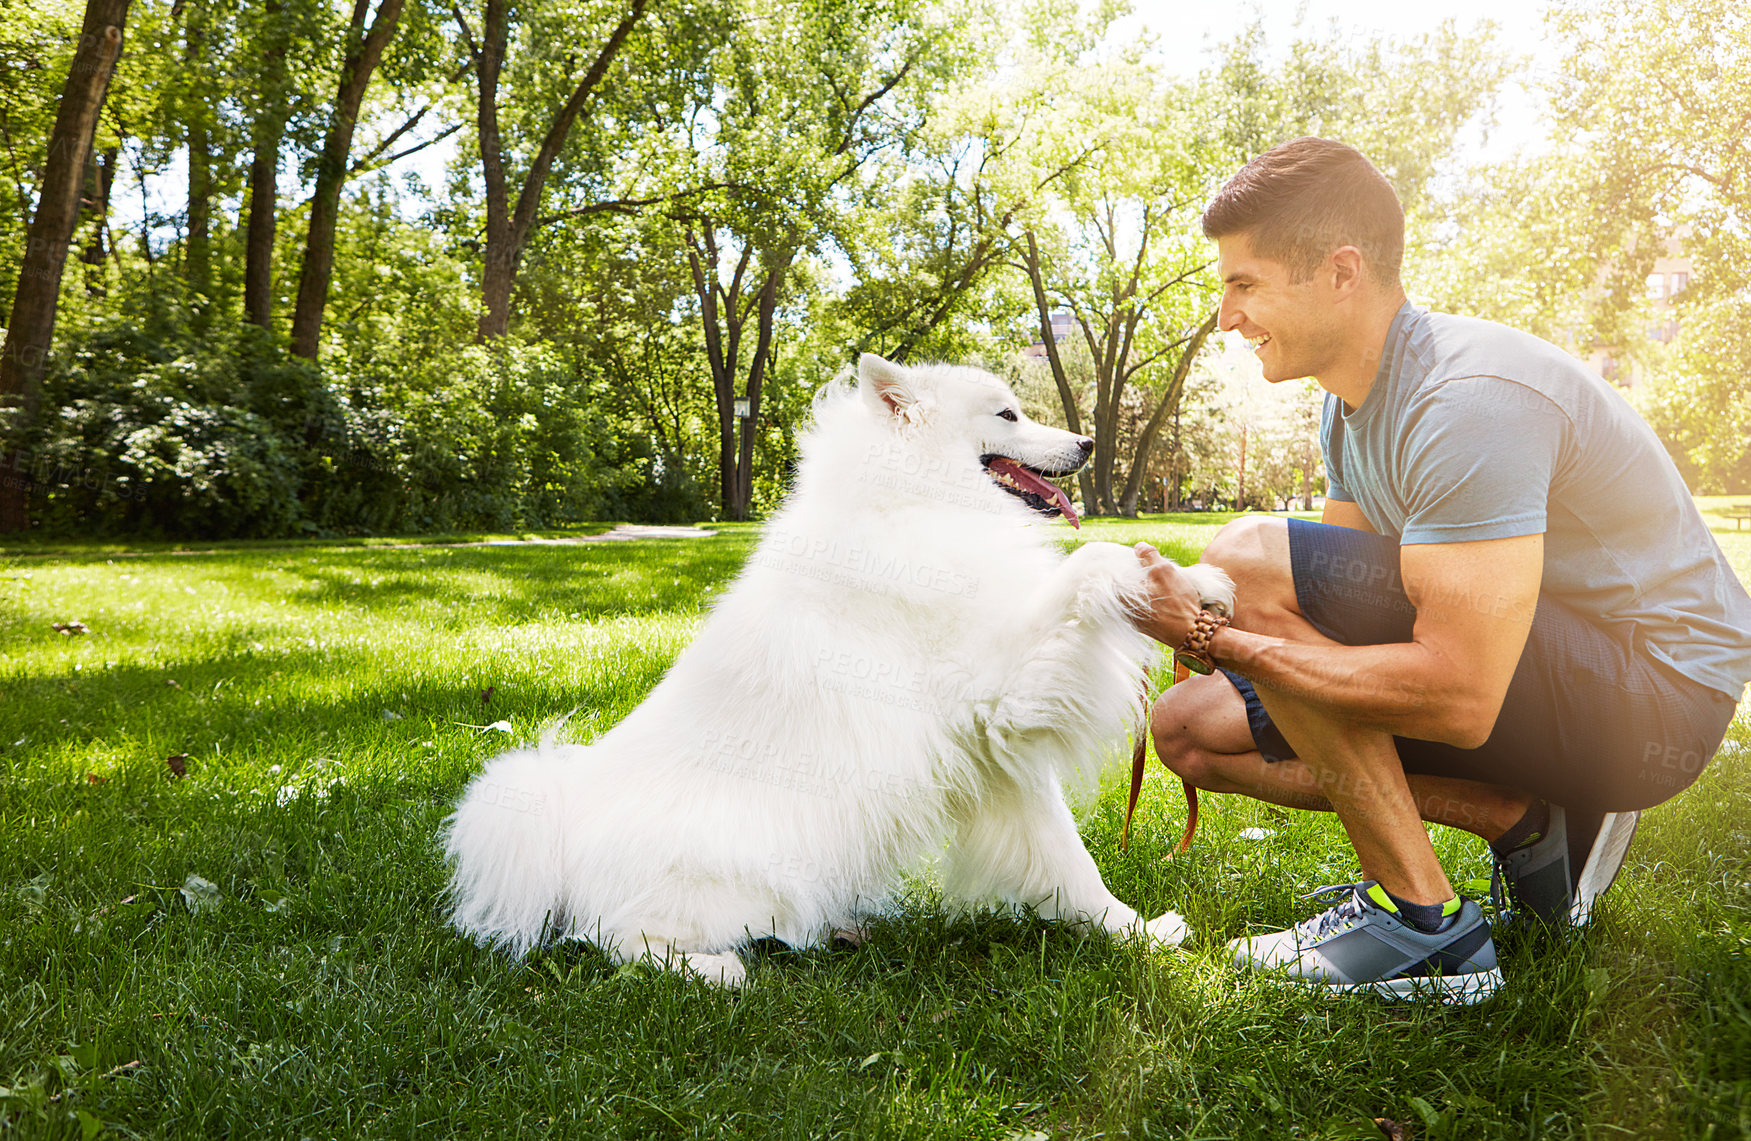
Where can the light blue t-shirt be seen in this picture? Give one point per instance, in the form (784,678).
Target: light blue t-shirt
(1477,431)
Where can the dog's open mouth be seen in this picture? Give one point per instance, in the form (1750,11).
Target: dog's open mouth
(1031,486)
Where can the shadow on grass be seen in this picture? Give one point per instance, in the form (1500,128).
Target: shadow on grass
(518,584)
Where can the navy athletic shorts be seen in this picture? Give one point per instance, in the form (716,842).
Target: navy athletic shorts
(1589,722)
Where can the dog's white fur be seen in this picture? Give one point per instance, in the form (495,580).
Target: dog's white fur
(907,666)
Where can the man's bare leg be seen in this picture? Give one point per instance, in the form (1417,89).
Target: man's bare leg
(1355,768)
(1201,734)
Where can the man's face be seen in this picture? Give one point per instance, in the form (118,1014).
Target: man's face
(1292,326)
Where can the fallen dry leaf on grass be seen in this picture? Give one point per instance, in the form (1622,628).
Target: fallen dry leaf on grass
(199,894)
(177,764)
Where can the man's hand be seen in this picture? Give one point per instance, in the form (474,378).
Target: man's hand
(1173,599)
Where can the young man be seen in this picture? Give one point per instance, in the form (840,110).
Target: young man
(1512,619)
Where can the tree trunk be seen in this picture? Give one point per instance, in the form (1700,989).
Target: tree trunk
(498,276)
(723,326)
(1176,387)
(264,170)
(331,172)
(1240,491)
(768,305)
(1109,371)
(31,327)
(508,229)
(197,240)
(1178,451)
(100,180)
(701,254)
(1066,397)
(258,249)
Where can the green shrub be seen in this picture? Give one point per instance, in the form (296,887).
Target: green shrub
(146,434)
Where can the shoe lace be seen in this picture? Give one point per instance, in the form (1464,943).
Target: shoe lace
(1504,895)
(1348,909)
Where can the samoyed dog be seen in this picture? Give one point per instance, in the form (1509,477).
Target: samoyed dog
(907,669)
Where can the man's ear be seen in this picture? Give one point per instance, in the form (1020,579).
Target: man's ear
(884,385)
(1346,267)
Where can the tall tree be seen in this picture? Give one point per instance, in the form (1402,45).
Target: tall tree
(31,327)
(195,111)
(364,51)
(264,167)
(1118,163)
(1658,96)
(738,356)
(508,224)
(797,108)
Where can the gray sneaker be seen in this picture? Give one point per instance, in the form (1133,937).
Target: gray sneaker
(1557,879)
(1362,944)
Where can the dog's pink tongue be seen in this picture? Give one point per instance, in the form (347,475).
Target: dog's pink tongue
(1047,491)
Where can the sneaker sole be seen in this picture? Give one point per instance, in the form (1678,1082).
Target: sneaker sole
(1604,861)
(1454,990)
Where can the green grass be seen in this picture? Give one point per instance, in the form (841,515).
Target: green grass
(16,545)
(1715,508)
(329,702)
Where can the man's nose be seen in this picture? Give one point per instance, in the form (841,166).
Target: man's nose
(1228,315)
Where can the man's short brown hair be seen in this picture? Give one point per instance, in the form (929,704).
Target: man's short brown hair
(1302,199)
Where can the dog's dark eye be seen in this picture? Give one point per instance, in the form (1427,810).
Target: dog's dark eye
(1008,414)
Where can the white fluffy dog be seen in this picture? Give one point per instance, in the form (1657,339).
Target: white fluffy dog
(907,667)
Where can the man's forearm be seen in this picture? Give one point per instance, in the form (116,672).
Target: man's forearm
(1402,687)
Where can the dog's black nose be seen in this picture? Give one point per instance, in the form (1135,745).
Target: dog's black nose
(1087,446)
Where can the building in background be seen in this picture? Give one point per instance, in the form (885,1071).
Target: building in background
(1671,277)
(1063,324)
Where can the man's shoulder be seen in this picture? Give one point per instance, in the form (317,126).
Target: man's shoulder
(1454,345)
(1444,348)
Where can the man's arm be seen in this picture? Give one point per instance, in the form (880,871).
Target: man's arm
(1344,513)
(1474,603)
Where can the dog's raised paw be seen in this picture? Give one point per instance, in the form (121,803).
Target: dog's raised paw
(1215,588)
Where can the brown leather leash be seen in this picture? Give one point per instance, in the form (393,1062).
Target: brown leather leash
(1140,758)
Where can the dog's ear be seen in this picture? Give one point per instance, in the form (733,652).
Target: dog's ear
(885,385)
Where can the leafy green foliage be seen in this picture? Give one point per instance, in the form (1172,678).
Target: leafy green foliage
(849,175)
(1701,406)
(157,436)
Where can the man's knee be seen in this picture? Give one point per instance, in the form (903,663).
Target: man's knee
(1251,547)
(1254,550)
(1185,725)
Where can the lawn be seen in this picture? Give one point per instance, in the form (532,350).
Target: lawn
(221,908)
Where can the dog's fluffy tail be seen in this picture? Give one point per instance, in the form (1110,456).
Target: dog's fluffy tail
(506,847)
